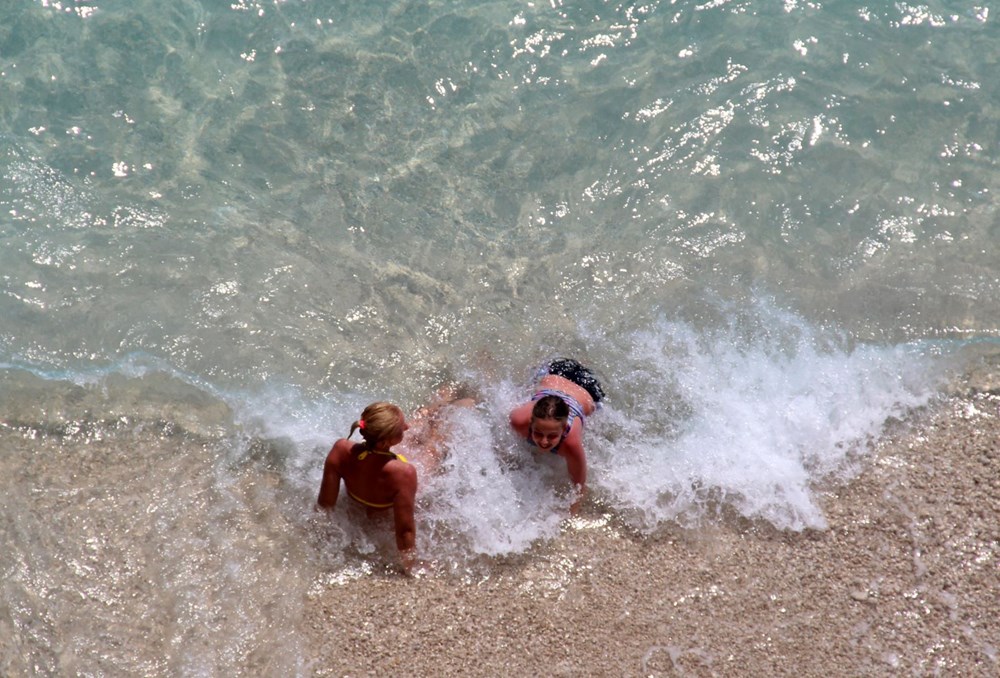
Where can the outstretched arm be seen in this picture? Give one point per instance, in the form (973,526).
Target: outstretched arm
(576,465)
(405,480)
(329,488)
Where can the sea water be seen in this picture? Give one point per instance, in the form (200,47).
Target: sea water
(226,227)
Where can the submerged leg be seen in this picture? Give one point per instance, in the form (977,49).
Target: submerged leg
(428,431)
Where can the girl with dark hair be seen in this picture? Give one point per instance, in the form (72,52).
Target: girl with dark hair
(553,419)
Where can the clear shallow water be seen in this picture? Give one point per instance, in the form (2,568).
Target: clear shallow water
(226,227)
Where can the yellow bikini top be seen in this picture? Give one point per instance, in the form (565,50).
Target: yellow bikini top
(384,453)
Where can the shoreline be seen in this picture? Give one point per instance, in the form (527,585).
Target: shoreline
(903,581)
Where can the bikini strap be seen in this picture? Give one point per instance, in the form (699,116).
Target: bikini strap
(383,453)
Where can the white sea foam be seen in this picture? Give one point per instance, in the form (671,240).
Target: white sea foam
(751,416)
(300,233)
(748,419)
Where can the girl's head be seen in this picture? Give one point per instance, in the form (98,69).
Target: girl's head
(548,421)
(382,425)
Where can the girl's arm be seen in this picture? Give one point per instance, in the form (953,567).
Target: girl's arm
(329,487)
(571,450)
(404,479)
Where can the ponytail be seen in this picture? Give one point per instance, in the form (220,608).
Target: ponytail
(379,421)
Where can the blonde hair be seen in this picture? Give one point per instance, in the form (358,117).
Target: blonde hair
(378,422)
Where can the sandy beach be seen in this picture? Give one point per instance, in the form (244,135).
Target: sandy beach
(904,581)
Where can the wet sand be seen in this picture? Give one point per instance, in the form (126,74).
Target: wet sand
(904,581)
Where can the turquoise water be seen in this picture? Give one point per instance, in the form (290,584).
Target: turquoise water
(226,226)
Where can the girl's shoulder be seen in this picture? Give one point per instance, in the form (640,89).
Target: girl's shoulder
(521,415)
(343,448)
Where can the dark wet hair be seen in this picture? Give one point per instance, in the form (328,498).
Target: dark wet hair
(550,407)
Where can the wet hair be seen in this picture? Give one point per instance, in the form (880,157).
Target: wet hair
(550,407)
(379,421)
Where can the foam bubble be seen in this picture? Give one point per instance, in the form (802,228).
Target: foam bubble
(485,500)
(750,416)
